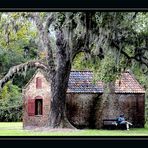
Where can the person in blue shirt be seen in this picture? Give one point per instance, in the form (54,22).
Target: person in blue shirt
(121,120)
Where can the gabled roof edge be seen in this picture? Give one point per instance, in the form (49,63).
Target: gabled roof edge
(38,70)
(133,76)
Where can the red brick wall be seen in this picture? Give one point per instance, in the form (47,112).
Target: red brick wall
(31,92)
(88,111)
(81,110)
(132,105)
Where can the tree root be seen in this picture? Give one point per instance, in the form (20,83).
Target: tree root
(66,124)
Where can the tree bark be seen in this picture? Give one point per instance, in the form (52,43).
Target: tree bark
(109,91)
(59,84)
(57,117)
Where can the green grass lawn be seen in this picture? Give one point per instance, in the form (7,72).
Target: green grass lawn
(16,129)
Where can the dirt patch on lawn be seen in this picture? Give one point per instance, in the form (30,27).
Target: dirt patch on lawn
(40,129)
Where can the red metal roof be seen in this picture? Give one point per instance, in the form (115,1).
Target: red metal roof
(82,82)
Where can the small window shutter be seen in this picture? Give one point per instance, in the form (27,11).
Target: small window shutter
(38,82)
(31,107)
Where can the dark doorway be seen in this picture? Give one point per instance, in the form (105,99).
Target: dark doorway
(38,106)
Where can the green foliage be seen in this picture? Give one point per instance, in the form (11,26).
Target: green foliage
(16,31)
(10,103)
(81,62)
(9,59)
(107,70)
(23,79)
(4,92)
(12,58)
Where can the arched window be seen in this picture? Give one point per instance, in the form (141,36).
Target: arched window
(38,82)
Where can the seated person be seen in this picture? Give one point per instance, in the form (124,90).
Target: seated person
(121,120)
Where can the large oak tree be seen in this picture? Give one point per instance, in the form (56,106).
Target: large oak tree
(63,35)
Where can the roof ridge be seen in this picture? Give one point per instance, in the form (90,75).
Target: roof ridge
(36,71)
(134,78)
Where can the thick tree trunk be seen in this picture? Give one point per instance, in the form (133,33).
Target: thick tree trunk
(109,91)
(59,67)
(57,117)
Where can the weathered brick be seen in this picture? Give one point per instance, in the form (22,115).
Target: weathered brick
(30,91)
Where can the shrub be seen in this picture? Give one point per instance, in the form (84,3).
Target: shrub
(10,103)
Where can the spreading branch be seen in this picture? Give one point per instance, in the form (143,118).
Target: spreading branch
(141,58)
(79,46)
(20,68)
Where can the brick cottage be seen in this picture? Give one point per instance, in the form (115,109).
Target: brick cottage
(86,103)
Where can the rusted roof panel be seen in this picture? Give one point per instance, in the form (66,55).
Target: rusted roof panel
(82,82)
